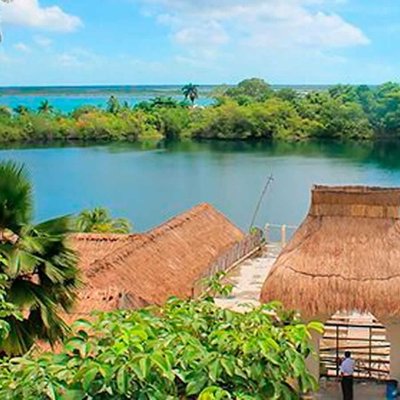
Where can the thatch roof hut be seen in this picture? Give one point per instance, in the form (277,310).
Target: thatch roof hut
(130,271)
(345,256)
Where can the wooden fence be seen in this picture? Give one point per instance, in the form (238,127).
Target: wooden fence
(235,255)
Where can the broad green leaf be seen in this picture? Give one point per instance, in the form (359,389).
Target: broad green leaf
(122,380)
(196,386)
(89,377)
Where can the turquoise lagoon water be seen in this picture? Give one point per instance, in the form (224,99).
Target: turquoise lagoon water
(66,99)
(151,183)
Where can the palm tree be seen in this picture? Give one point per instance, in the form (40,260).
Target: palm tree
(99,220)
(113,105)
(45,107)
(191,92)
(41,269)
(21,110)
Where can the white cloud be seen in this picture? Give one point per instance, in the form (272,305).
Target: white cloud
(43,41)
(69,60)
(77,58)
(210,33)
(30,13)
(22,47)
(277,23)
(306,30)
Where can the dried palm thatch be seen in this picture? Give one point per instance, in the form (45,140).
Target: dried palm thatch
(344,257)
(130,271)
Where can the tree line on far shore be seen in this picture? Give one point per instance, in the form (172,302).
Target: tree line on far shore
(249,110)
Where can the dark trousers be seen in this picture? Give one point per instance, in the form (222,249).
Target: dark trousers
(347,387)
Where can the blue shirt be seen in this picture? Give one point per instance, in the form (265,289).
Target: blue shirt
(347,367)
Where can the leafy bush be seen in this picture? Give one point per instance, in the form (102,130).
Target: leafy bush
(184,350)
(172,122)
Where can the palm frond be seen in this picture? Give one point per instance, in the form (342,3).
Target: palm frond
(16,199)
(42,270)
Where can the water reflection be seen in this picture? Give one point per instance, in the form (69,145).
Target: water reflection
(152,181)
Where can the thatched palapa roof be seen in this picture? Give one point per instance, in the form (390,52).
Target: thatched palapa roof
(129,271)
(344,257)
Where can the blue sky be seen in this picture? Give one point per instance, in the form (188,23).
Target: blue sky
(75,42)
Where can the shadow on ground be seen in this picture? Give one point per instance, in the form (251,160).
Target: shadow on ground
(362,391)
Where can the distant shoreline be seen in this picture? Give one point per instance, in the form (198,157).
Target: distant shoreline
(249,111)
(25,90)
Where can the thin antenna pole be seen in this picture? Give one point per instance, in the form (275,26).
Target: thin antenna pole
(266,186)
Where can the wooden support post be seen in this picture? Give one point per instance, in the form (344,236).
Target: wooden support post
(266,232)
(337,351)
(283,235)
(370,352)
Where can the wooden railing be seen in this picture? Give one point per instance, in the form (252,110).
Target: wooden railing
(278,234)
(366,342)
(234,256)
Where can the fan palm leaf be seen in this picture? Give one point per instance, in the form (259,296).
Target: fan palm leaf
(41,268)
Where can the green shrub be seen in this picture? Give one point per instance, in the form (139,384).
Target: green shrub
(184,350)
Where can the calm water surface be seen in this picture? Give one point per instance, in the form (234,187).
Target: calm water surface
(150,183)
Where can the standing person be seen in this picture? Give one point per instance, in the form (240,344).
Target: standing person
(346,372)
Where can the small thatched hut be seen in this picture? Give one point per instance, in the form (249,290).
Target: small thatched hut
(345,256)
(131,271)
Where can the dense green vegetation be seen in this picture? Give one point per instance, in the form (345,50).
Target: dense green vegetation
(99,220)
(40,269)
(250,110)
(184,350)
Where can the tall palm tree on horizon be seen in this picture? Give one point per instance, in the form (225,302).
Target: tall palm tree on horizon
(191,92)
(45,107)
(40,267)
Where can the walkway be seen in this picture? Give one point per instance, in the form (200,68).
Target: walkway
(248,279)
